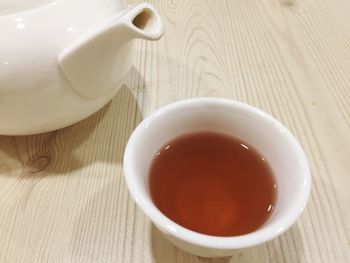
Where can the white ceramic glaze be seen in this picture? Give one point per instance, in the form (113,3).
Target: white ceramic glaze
(62,60)
(257,128)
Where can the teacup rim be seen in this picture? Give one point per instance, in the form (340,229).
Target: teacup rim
(257,237)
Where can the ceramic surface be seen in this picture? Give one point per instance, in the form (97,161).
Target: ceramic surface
(257,128)
(61,61)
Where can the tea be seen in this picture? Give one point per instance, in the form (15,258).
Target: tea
(212,183)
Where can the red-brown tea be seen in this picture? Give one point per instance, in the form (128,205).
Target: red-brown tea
(212,183)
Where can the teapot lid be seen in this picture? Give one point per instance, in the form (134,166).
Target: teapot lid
(8,7)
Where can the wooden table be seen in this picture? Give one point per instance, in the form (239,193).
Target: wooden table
(62,194)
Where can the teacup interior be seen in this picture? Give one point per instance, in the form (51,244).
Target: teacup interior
(250,125)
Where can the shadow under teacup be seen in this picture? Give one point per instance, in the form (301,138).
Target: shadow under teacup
(268,136)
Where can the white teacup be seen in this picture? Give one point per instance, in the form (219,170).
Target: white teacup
(257,128)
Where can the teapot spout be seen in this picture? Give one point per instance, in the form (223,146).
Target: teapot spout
(144,22)
(96,63)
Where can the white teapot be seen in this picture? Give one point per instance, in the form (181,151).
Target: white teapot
(62,60)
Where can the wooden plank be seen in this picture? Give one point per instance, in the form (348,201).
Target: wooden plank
(62,194)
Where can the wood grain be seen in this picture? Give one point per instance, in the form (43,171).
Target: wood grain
(62,194)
